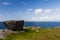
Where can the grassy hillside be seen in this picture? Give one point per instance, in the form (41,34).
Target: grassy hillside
(43,34)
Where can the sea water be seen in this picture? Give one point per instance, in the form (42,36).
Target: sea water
(42,24)
(39,24)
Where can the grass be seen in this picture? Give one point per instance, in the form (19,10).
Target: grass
(43,34)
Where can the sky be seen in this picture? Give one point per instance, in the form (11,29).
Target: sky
(30,10)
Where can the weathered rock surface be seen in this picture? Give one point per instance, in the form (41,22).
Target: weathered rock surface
(4,33)
(15,25)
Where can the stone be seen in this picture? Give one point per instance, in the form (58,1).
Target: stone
(15,25)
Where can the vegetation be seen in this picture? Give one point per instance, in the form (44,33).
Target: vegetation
(43,34)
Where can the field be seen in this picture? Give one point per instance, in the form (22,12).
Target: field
(43,34)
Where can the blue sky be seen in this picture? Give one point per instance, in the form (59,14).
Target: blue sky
(30,10)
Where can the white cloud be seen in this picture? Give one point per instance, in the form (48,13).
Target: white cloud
(57,9)
(38,11)
(48,11)
(44,18)
(6,3)
(54,16)
(57,17)
(35,18)
(1,17)
(47,18)
(29,10)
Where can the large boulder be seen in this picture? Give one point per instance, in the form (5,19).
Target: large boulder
(15,25)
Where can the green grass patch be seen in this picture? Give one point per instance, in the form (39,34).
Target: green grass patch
(43,34)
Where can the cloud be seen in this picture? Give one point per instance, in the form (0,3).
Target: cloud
(29,10)
(47,18)
(1,17)
(44,18)
(6,3)
(57,9)
(48,11)
(35,18)
(4,17)
(47,14)
(57,17)
(38,11)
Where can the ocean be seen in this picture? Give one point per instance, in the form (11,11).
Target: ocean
(39,24)
(42,24)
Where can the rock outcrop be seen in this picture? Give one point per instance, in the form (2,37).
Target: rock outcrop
(14,25)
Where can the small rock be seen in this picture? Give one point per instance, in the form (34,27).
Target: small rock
(37,30)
